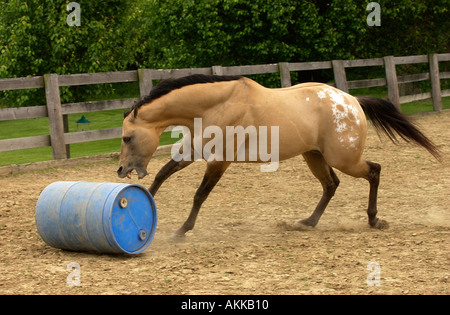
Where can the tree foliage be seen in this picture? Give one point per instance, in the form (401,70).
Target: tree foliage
(118,35)
(35,39)
(235,32)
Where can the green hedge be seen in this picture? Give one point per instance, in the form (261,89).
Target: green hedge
(117,35)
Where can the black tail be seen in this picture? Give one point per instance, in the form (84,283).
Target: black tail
(385,117)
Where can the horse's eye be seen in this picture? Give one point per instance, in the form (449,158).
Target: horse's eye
(126,139)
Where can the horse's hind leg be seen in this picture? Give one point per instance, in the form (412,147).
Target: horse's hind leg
(327,177)
(213,173)
(371,172)
(373,176)
(166,171)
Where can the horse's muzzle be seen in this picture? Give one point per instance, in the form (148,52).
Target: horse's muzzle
(122,172)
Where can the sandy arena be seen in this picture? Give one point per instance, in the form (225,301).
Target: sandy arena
(240,244)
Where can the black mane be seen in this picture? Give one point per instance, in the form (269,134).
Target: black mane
(166,86)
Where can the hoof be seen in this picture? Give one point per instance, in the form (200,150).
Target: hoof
(380,225)
(177,238)
(297,226)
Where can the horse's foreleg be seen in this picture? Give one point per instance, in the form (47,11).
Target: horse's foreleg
(213,173)
(327,177)
(170,168)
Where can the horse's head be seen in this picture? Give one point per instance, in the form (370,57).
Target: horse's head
(139,142)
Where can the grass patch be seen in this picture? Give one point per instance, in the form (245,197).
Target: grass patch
(39,126)
(423,106)
(415,107)
(26,156)
(378,91)
(76,150)
(24,128)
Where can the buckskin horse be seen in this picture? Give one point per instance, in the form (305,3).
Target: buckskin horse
(327,126)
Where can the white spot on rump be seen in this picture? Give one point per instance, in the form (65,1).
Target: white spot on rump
(336,97)
(344,114)
(321,94)
(341,110)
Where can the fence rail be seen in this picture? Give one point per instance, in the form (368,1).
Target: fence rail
(59,138)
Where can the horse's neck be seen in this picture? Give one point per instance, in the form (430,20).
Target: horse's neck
(181,106)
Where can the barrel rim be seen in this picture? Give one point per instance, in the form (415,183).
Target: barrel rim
(109,209)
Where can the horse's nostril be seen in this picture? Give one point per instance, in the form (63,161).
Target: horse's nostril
(120,170)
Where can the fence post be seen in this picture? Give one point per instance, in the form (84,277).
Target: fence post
(145,82)
(339,75)
(217,70)
(55,118)
(285,74)
(66,129)
(391,80)
(435,82)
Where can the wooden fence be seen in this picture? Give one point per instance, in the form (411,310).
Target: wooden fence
(59,137)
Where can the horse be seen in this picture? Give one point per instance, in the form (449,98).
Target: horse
(325,125)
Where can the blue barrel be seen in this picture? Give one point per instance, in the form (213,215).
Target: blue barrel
(101,217)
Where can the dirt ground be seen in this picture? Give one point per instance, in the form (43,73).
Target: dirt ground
(240,245)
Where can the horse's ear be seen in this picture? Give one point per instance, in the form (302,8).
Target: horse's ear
(133,111)
(132,116)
